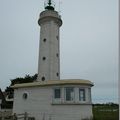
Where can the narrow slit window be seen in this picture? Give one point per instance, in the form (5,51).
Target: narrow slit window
(57,37)
(57,55)
(57,74)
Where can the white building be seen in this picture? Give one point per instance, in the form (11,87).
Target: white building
(50,98)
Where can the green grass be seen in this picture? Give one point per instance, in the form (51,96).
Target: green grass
(105,112)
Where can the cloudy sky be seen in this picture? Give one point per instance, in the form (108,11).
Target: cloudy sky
(88,42)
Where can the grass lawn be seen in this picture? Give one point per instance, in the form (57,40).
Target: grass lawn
(105,112)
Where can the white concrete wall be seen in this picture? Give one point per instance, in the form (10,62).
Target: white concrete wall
(50,67)
(40,105)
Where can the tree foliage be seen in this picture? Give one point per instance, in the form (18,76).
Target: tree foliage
(26,79)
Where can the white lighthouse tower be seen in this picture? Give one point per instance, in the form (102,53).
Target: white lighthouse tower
(49,61)
(53,99)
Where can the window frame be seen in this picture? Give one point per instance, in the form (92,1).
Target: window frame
(59,94)
(72,96)
(89,94)
(83,98)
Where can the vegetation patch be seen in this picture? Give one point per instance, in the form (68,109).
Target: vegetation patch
(108,111)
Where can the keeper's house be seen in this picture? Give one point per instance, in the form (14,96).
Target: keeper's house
(54,99)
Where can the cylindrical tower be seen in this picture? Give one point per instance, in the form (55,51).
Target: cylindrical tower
(49,53)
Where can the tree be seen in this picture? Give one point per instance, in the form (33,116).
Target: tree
(19,80)
(26,79)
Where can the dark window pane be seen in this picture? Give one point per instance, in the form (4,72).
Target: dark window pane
(44,58)
(57,93)
(69,94)
(25,96)
(57,74)
(43,78)
(44,40)
(82,94)
(57,37)
(57,54)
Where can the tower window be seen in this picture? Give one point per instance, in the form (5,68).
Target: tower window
(57,55)
(44,40)
(57,74)
(57,37)
(44,58)
(43,78)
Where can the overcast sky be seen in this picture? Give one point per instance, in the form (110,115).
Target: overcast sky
(88,42)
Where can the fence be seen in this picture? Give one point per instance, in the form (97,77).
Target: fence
(8,116)
(42,116)
(5,115)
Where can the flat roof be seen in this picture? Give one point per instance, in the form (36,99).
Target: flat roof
(54,82)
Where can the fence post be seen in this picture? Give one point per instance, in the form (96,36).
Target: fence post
(2,117)
(14,116)
(26,116)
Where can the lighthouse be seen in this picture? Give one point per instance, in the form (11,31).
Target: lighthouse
(49,52)
(49,97)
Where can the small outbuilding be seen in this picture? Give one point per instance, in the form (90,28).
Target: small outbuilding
(54,99)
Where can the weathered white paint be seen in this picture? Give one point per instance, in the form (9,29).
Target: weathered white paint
(42,105)
(49,68)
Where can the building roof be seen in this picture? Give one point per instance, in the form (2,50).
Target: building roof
(54,82)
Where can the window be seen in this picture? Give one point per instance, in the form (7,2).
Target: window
(57,37)
(25,95)
(57,93)
(44,40)
(44,58)
(43,78)
(57,55)
(82,94)
(57,74)
(69,94)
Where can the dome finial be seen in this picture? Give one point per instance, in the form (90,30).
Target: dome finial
(49,5)
(49,2)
